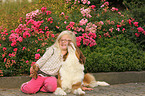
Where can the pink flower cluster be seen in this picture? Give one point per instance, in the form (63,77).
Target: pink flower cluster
(22,32)
(105,4)
(86,12)
(91,28)
(79,29)
(83,22)
(88,39)
(32,14)
(21,28)
(114,9)
(70,26)
(37,12)
(37,56)
(107,34)
(50,20)
(43,9)
(85,2)
(140,29)
(14,37)
(3,33)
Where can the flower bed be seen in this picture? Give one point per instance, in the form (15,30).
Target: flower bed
(93,27)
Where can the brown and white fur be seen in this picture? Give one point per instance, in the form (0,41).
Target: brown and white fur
(90,81)
(71,74)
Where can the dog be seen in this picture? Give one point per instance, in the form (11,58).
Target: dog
(71,76)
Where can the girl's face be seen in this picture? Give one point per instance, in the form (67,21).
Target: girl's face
(64,42)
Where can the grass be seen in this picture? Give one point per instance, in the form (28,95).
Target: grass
(8,7)
(10,12)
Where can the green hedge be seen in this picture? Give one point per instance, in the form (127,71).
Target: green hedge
(136,9)
(114,54)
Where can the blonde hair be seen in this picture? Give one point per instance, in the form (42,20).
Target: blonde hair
(69,33)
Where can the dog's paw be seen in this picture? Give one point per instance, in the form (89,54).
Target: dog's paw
(59,91)
(79,92)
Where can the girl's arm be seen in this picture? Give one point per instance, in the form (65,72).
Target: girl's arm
(45,57)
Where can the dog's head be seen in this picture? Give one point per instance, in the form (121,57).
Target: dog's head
(78,53)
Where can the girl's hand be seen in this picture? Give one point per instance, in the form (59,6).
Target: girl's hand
(33,71)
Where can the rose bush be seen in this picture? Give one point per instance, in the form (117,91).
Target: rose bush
(23,46)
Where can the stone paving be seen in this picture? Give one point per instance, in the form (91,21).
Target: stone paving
(128,89)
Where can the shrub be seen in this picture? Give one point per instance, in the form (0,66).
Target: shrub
(136,8)
(114,54)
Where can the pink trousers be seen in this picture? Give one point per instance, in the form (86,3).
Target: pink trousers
(44,84)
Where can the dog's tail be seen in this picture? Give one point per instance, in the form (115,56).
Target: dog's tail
(90,81)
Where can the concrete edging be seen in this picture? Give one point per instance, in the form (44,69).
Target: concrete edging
(109,77)
(121,77)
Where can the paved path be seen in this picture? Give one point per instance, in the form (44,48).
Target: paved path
(129,89)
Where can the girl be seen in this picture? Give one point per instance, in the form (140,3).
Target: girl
(50,63)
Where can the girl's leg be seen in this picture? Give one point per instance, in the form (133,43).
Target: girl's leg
(33,85)
(50,84)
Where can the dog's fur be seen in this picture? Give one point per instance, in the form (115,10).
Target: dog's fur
(90,81)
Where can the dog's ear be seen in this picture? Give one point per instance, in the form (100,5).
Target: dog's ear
(80,56)
(65,56)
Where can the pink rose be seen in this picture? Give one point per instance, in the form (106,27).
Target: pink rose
(20,39)
(24,48)
(27,61)
(43,9)
(38,50)
(118,26)
(37,56)
(15,49)
(140,29)
(4,48)
(5,59)
(135,24)
(48,12)
(93,6)
(137,34)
